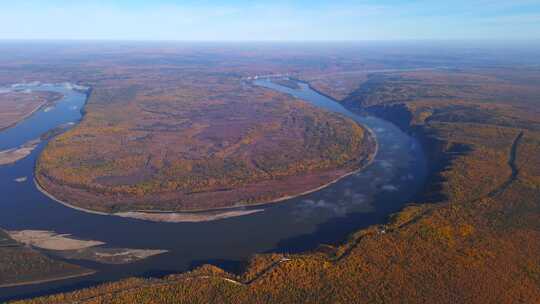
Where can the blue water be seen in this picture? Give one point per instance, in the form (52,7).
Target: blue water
(68,110)
(327,216)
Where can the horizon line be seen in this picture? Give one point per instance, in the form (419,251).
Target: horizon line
(528,41)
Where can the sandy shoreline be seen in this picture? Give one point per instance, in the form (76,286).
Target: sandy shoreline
(51,241)
(69,247)
(181,217)
(38,186)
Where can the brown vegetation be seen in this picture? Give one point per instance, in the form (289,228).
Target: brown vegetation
(189,149)
(479,244)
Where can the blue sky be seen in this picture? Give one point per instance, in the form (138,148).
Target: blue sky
(241,20)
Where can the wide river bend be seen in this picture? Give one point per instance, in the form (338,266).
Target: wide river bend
(395,176)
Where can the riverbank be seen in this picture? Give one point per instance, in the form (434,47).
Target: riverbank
(69,247)
(51,241)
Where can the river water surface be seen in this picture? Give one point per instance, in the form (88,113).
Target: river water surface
(396,175)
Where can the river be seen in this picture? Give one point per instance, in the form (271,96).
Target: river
(396,175)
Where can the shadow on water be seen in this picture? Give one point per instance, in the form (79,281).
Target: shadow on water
(326,232)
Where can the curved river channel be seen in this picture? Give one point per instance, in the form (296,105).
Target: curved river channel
(395,176)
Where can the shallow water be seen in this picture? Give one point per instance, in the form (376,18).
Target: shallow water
(326,216)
